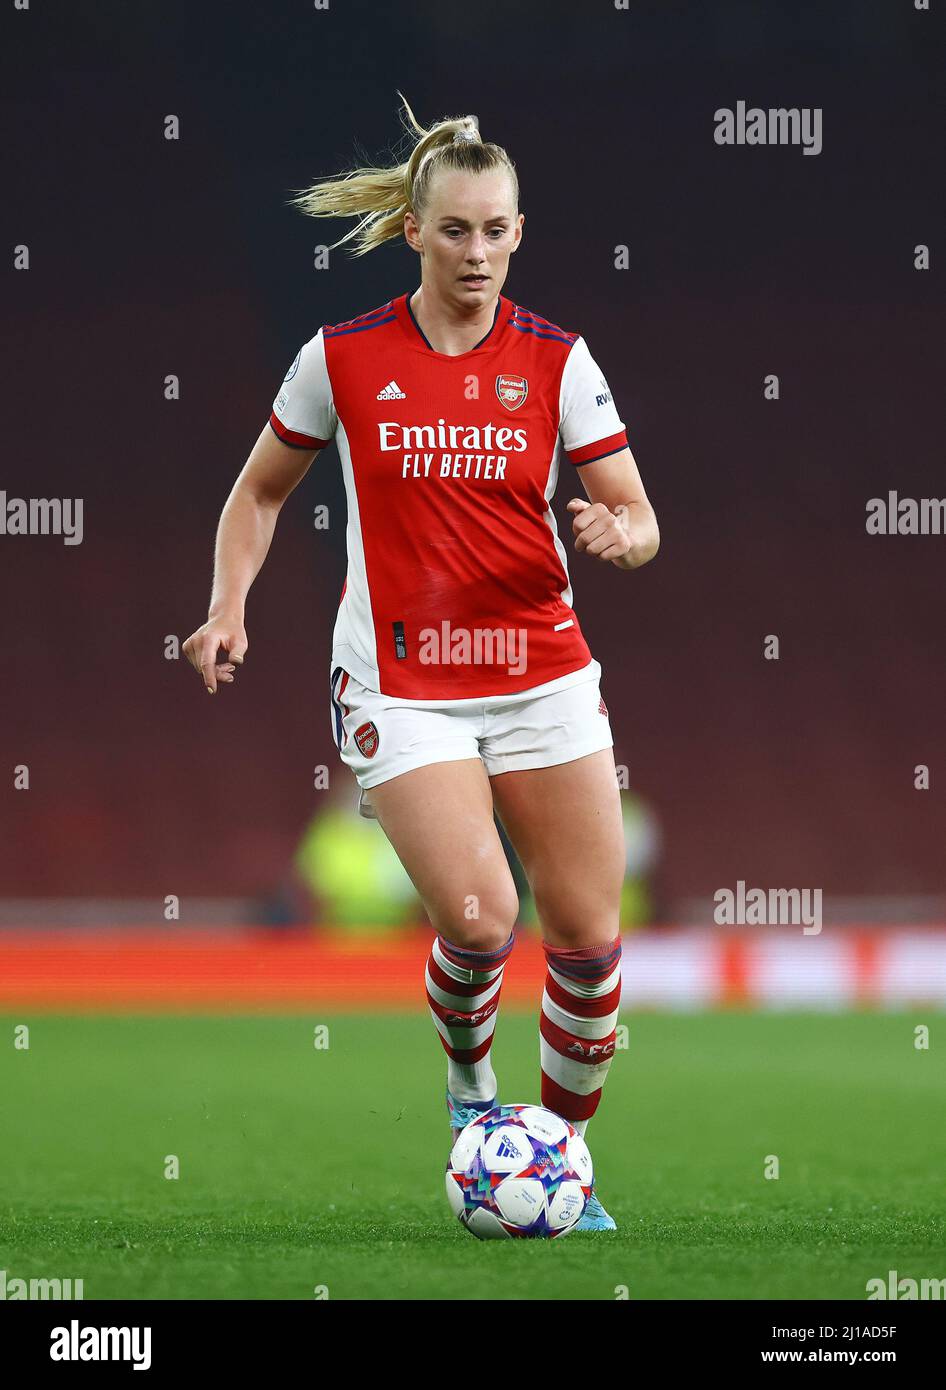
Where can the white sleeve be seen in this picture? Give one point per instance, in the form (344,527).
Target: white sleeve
(303,412)
(589,424)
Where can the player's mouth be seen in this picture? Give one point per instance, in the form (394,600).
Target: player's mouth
(475,280)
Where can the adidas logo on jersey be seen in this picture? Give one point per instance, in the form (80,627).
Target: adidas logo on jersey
(392,392)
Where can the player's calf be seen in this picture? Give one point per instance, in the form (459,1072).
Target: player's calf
(463,990)
(578,1029)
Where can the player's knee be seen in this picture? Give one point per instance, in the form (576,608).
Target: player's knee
(578,920)
(480,922)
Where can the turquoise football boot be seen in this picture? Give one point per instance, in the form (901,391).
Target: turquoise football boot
(594,1217)
(461,1112)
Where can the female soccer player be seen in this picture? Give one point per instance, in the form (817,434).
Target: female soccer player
(460,679)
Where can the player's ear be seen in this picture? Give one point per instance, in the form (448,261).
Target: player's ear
(412,232)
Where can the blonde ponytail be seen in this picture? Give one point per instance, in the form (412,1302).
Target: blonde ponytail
(379,197)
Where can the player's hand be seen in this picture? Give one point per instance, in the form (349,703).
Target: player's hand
(600,532)
(203,649)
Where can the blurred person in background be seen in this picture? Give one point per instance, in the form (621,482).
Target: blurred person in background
(641,855)
(354,879)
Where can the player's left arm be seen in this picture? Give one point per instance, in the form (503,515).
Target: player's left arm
(617,523)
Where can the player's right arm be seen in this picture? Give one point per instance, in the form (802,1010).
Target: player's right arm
(244,534)
(302,422)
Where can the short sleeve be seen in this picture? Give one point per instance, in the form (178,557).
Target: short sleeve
(590,427)
(303,413)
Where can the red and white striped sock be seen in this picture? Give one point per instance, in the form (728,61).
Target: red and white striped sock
(579,1018)
(463,990)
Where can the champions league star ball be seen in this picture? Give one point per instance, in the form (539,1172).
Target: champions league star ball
(519,1170)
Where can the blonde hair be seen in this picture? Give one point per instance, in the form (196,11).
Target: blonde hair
(379,197)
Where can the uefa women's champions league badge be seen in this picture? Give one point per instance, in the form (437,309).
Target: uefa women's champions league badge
(512,391)
(294,368)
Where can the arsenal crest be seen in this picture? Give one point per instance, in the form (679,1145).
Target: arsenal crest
(367,739)
(512,391)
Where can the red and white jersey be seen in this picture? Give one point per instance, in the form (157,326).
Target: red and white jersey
(457,582)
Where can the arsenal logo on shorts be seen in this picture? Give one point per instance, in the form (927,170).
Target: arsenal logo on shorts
(512,391)
(367,739)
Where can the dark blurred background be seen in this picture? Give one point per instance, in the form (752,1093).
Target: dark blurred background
(151,257)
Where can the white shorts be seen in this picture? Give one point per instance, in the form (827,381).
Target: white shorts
(379,737)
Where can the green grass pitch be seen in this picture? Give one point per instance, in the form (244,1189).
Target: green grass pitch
(305,1169)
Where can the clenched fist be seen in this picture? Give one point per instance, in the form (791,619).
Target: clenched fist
(600,532)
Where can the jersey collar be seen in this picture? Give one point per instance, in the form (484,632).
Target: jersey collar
(415,336)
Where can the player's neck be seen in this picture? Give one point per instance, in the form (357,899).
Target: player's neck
(446,328)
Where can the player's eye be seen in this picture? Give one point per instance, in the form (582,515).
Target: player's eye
(494,232)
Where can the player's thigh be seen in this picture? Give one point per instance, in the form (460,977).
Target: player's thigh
(439,818)
(566,825)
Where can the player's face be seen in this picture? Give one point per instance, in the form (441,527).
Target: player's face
(467,233)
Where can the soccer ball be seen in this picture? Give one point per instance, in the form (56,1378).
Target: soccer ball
(519,1170)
